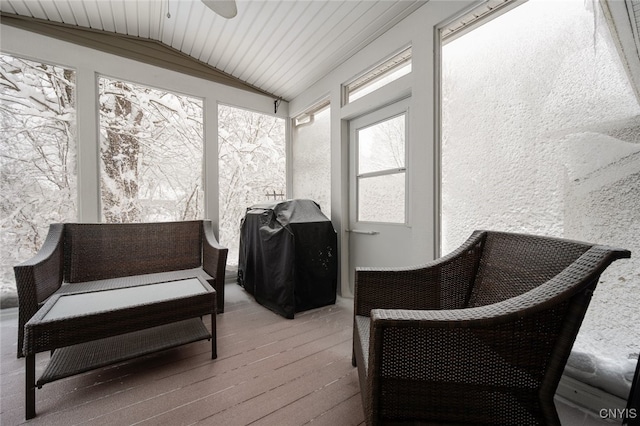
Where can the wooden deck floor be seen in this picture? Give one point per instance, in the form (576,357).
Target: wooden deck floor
(269,371)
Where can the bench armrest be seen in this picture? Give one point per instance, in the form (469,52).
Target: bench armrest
(214,261)
(39,277)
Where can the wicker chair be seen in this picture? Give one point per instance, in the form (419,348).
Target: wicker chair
(480,336)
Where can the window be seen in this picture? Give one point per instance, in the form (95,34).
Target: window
(252,155)
(542,137)
(311,156)
(383,74)
(151,152)
(37,156)
(381,171)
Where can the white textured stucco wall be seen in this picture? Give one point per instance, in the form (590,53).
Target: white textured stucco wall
(541,134)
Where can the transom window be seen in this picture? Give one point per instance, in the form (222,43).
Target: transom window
(381,75)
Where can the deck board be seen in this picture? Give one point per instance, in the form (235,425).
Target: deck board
(269,371)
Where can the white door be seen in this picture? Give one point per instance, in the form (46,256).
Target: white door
(379,225)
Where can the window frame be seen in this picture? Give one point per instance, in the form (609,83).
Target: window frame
(99,142)
(398,109)
(373,75)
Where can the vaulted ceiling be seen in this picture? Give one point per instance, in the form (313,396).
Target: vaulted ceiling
(277,47)
(280,47)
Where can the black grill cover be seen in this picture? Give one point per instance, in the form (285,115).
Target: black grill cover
(288,256)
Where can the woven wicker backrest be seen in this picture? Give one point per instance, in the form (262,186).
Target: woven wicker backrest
(102,251)
(512,264)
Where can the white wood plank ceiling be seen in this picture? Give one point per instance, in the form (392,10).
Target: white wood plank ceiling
(280,46)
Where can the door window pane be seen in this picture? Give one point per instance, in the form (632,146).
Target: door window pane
(151,154)
(37,157)
(381,146)
(381,198)
(381,176)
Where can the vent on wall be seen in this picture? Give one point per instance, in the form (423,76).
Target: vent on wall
(490,9)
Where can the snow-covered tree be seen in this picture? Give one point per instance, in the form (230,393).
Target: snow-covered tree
(37,156)
(151,152)
(252,153)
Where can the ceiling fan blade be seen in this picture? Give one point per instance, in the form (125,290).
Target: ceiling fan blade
(225,8)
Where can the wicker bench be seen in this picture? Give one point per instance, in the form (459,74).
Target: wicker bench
(480,336)
(79,257)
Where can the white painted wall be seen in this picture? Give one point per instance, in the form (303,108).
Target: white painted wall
(88,64)
(417,30)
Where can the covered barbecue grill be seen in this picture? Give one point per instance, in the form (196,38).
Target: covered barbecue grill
(288,256)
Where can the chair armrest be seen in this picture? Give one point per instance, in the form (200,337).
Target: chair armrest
(214,261)
(39,277)
(444,283)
